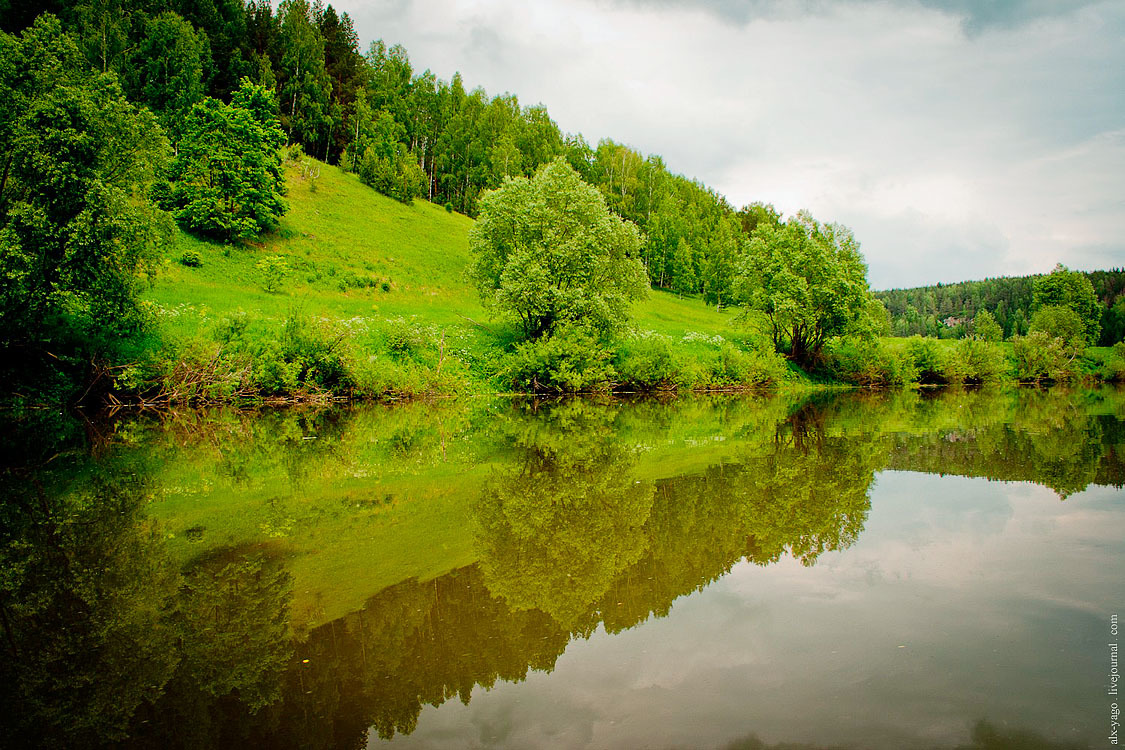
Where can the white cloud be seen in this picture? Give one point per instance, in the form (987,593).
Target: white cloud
(953,155)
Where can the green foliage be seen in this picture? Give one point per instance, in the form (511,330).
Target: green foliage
(191,258)
(868,362)
(1113,323)
(1061,322)
(548,252)
(926,360)
(397,176)
(979,361)
(647,363)
(809,280)
(403,338)
(305,84)
(732,367)
(758,214)
(1105,363)
(166,69)
(917,360)
(1040,356)
(986,328)
(274,270)
(77,233)
(1010,300)
(874,321)
(1072,290)
(570,360)
(316,349)
(226,177)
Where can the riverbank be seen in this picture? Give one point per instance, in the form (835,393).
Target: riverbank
(360,297)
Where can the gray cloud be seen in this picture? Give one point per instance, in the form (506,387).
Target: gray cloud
(977,16)
(733,11)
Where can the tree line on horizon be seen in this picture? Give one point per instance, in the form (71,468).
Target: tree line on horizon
(948,310)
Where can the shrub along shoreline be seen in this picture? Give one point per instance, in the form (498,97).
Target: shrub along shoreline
(248,359)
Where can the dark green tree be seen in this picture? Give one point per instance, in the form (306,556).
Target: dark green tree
(986,328)
(306,86)
(166,71)
(226,179)
(77,232)
(103,30)
(758,214)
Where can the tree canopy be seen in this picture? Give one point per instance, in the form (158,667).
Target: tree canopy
(227,180)
(77,159)
(547,251)
(808,279)
(986,328)
(943,309)
(1073,290)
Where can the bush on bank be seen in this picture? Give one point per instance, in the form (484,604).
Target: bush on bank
(916,360)
(243,357)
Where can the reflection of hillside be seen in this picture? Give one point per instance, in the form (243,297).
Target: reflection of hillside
(100,625)
(413,644)
(581,516)
(626,551)
(1053,442)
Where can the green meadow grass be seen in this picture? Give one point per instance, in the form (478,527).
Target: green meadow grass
(355,254)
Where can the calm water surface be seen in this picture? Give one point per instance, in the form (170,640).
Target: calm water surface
(908,570)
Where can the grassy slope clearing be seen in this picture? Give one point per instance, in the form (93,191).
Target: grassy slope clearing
(386,276)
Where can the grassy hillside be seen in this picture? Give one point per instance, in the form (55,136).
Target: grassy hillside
(342,240)
(386,276)
(340,235)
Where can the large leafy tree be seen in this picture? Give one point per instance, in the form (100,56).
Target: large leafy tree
(808,279)
(76,162)
(548,252)
(227,180)
(1073,290)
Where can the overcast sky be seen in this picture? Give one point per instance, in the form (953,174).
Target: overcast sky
(958,139)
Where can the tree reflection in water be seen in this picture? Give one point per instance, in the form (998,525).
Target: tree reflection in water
(108,640)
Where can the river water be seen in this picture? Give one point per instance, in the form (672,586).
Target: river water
(857,570)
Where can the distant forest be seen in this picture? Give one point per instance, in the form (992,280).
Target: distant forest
(947,310)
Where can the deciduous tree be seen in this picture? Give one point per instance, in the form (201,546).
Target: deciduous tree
(1071,289)
(986,328)
(227,180)
(76,163)
(809,280)
(547,251)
